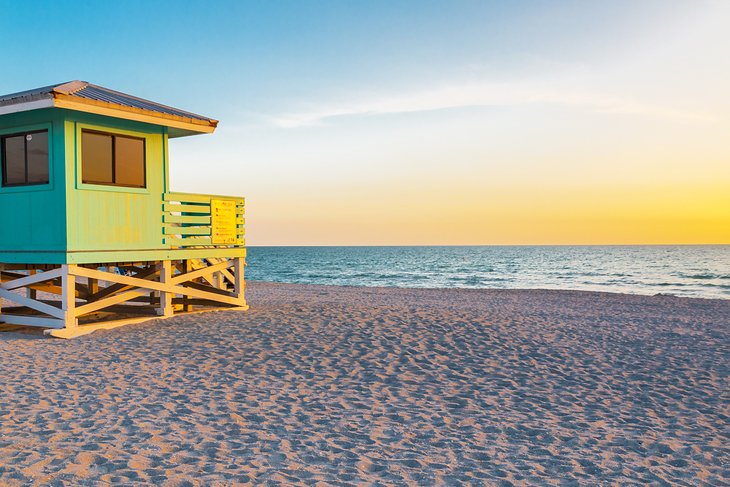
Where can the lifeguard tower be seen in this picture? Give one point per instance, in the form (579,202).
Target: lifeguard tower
(91,237)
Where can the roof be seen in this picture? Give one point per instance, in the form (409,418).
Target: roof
(87,97)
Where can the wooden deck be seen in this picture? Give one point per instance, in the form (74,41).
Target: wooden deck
(78,299)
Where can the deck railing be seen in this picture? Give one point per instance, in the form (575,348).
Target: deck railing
(198,220)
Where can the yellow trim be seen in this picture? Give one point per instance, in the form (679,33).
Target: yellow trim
(131,113)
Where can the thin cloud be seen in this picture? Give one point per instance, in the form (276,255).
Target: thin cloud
(478,95)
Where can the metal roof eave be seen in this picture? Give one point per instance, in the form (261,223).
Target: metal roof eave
(85,97)
(133,113)
(31,103)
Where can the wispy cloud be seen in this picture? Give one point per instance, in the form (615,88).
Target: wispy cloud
(478,95)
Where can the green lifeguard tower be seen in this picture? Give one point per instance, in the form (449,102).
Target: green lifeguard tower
(90,234)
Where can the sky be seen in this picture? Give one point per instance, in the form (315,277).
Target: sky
(421,122)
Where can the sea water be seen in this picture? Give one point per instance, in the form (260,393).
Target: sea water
(681,270)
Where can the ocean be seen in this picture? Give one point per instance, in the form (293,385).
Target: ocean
(681,270)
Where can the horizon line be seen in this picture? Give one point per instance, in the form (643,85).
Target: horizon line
(504,245)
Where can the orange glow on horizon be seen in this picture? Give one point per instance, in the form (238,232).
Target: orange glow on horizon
(499,216)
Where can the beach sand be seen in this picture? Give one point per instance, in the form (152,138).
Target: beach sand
(346,386)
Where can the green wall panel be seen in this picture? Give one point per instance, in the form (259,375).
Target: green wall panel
(33,218)
(111,218)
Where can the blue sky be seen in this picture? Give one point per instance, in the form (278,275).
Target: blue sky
(270,54)
(366,122)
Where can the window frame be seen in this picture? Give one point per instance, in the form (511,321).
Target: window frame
(114,136)
(3,162)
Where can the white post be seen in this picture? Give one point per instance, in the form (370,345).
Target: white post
(31,292)
(68,296)
(239,285)
(186,267)
(165,308)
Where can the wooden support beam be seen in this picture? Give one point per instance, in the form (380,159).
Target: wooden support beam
(205,271)
(136,269)
(217,280)
(82,291)
(208,289)
(186,268)
(32,321)
(68,298)
(31,279)
(52,286)
(93,285)
(239,284)
(155,286)
(106,302)
(224,273)
(131,309)
(108,294)
(152,300)
(165,296)
(207,302)
(228,277)
(115,288)
(30,292)
(39,306)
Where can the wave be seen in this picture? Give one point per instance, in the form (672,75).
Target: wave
(684,271)
(702,277)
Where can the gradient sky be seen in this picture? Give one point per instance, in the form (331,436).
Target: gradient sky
(422,122)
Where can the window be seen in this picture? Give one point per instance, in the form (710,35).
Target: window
(24,158)
(111,159)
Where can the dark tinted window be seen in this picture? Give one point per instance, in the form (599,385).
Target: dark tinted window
(24,158)
(14,160)
(96,158)
(112,159)
(129,161)
(37,150)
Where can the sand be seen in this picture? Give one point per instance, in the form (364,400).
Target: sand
(345,386)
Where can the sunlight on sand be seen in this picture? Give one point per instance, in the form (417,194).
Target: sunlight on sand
(352,385)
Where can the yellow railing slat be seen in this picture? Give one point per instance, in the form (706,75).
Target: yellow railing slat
(205,209)
(187,220)
(174,230)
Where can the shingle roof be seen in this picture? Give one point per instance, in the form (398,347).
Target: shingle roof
(86,93)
